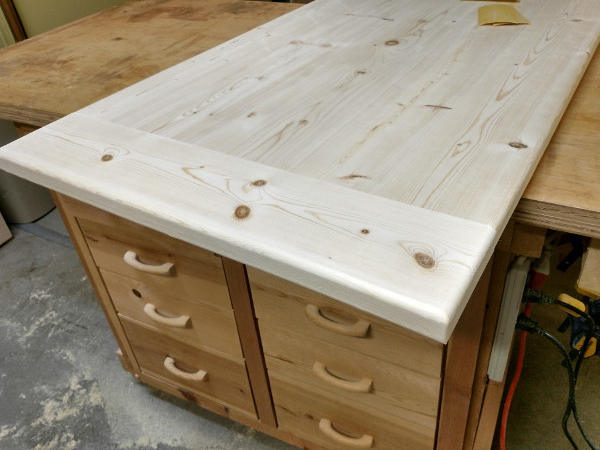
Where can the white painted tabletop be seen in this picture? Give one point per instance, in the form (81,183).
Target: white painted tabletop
(370,150)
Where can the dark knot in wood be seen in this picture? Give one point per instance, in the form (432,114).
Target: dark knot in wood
(424,260)
(242,211)
(517,145)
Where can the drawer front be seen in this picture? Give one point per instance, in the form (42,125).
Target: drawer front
(196,324)
(172,268)
(158,355)
(282,305)
(316,417)
(353,378)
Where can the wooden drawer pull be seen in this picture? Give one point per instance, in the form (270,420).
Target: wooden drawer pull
(356,329)
(363,385)
(176,322)
(365,441)
(131,259)
(169,364)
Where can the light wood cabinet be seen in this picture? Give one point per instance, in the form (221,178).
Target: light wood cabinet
(186,366)
(251,346)
(344,378)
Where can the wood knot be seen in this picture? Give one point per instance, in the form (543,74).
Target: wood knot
(107,157)
(242,211)
(137,293)
(424,260)
(518,145)
(392,42)
(365,231)
(259,183)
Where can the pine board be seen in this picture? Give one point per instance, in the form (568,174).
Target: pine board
(372,151)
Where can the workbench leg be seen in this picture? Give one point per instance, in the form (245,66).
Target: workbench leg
(500,266)
(459,369)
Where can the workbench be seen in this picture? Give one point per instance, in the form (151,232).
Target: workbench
(55,74)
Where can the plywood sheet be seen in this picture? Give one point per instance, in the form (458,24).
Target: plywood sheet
(372,151)
(61,71)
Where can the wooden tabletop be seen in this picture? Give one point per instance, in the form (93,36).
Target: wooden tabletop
(59,72)
(348,146)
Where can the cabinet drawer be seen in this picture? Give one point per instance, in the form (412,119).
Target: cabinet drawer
(195,275)
(282,305)
(353,378)
(189,367)
(316,417)
(196,324)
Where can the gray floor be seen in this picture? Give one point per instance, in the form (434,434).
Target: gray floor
(61,386)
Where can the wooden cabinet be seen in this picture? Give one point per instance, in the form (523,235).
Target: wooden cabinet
(251,346)
(169,305)
(196,324)
(288,306)
(320,418)
(343,378)
(186,366)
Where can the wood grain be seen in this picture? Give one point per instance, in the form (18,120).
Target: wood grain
(408,264)
(70,220)
(210,329)
(197,275)
(528,240)
(299,412)
(345,124)
(460,369)
(588,282)
(84,61)
(226,381)
(564,194)
(292,357)
(239,291)
(281,308)
(228,411)
(500,266)
(419,127)
(489,416)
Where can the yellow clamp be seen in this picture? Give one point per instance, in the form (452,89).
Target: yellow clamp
(577,304)
(591,349)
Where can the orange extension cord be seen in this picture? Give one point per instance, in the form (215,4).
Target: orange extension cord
(514,382)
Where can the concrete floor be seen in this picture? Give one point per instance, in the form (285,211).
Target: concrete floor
(62,387)
(61,384)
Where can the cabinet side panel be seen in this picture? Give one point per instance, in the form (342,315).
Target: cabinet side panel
(94,276)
